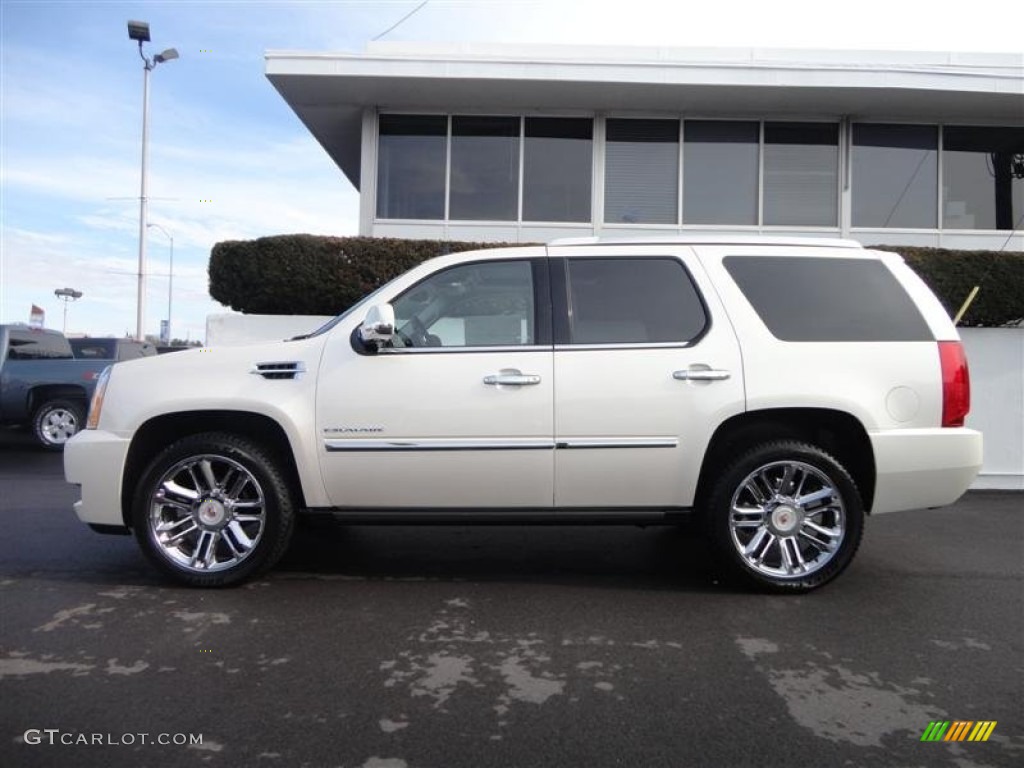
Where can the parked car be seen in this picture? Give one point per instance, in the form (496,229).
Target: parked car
(41,384)
(778,389)
(110,349)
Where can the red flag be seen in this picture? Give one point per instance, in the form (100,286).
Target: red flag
(37,318)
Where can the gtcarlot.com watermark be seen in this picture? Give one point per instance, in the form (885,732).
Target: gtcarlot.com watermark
(55,736)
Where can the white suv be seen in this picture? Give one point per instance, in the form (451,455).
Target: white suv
(778,389)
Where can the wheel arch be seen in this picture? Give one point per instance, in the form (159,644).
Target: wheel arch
(837,432)
(160,431)
(44,393)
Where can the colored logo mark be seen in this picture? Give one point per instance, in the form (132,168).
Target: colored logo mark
(959,730)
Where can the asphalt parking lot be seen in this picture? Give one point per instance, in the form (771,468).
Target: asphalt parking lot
(400,647)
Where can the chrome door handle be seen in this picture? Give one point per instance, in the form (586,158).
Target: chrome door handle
(513,378)
(709,374)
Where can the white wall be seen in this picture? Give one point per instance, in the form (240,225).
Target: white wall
(229,330)
(996,360)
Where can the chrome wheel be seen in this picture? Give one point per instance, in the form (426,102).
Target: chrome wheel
(787,520)
(58,425)
(207,514)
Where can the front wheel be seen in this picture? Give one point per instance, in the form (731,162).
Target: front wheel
(213,510)
(57,421)
(786,517)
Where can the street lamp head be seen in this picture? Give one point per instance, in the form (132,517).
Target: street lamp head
(138,30)
(68,294)
(168,55)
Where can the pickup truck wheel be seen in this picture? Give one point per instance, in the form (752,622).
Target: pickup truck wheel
(57,421)
(213,510)
(785,517)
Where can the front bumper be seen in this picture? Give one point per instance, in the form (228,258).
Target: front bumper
(923,468)
(94,460)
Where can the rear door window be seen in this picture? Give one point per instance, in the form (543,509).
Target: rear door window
(633,301)
(802,298)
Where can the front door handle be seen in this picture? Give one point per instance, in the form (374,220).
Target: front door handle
(512,377)
(698,374)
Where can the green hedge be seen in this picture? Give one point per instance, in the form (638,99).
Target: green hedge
(314,275)
(311,274)
(952,275)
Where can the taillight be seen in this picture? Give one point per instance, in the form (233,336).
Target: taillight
(956,383)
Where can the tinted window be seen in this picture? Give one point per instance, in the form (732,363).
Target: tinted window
(557,161)
(35,345)
(485,168)
(801,174)
(93,349)
(895,175)
(982,177)
(411,166)
(641,171)
(483,304)
(720,165)
(825,299)
(622,301)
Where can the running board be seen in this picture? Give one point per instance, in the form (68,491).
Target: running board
(511,516)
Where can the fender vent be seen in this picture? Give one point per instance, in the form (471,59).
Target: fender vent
(284,370)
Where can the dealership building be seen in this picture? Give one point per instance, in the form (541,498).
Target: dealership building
(529,143)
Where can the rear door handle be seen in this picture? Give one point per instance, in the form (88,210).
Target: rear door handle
(512,378)
(707,374)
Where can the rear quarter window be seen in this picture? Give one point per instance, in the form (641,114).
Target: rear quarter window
(802,298)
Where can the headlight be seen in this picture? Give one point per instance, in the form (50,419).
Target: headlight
(97,399)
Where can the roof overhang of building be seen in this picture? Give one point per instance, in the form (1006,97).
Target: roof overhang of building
(329,91)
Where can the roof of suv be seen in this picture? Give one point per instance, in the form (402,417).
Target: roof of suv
(697,239)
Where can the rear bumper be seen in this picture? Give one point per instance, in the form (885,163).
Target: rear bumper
(921,468)
(94,460)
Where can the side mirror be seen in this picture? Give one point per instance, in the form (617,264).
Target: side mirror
(379,326)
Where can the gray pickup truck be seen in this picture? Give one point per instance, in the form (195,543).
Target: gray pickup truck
(42,385)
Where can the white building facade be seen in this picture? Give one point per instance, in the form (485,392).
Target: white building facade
(525,144)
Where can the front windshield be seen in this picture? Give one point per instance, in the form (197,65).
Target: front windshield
(338,318)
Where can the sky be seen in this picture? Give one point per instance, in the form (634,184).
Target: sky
(228,158)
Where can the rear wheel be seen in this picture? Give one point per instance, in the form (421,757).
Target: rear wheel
(786,517)
(213,510)
(57,421)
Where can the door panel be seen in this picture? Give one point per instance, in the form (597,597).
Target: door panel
(633,417)
(424,430)
(442,420)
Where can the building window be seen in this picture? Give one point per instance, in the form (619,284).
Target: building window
(895,175)
(982,177)
(720,163)
(411,166)
(801,174)
(641,171)
(484,182)
(633,301)
(557,162)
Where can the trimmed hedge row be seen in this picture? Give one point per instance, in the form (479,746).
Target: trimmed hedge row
(315,275)
(952,274)
(312,274)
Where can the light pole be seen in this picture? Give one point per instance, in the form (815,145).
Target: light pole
(139,30)
(170,280)
(67,295)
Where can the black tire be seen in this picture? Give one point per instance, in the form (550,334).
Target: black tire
(57,421)
(770,544)
(200,538)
